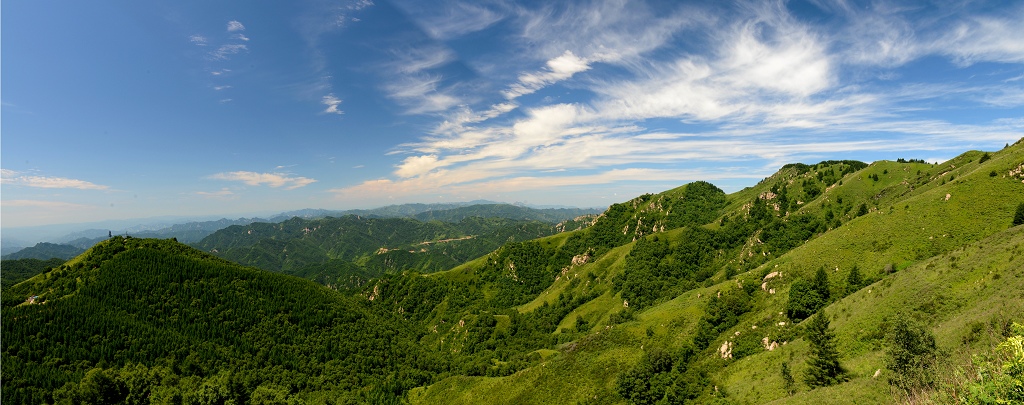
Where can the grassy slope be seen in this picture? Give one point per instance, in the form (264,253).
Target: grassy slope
(910,221)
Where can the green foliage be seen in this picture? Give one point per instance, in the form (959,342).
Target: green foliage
(661,378)
(1018,217)
(349,250)
(823,368)
(994,378)
(910,354)
(18,270)
(854,281)
(152,302)
(787,379)
(821,285)
(655,269)
(862,210)
(804,300)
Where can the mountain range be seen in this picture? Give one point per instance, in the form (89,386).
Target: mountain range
(835,282)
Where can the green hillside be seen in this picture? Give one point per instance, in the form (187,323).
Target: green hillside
(350,249)
(15,271)
(159,319)
(897,231)
(838,282)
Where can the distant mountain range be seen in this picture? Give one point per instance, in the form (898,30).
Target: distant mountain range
(194,231)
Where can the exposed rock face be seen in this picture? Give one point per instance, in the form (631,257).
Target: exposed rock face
(726,350)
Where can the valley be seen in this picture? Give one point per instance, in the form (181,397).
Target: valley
(691,295)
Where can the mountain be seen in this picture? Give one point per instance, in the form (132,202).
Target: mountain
(43,251)
(549,215)
(351,249)
(835,282)
(155,318)
(663,318)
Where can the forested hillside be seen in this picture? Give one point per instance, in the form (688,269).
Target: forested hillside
(14,271)
(144,318)
(351,249)
(834,282)
(806,288)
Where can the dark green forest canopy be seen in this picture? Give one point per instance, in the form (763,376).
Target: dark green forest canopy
(158,302)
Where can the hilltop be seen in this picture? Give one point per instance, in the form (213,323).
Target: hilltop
(689,295)
(157,318)
(714,294)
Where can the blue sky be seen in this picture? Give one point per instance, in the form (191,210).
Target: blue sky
(126,109)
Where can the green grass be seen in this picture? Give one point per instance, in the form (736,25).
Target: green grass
(957,264)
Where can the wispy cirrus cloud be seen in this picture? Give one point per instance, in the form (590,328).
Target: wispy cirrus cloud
(222,194)
(42,204)
(275,180)
(15,178)
(758,84)
(224,51)
(234,26)
(453,19)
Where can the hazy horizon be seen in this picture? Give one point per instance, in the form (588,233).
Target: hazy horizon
(138,110)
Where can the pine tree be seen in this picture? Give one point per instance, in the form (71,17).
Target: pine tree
(1018,218)
(854,280)
(823,368)
(821,284)
(787,378)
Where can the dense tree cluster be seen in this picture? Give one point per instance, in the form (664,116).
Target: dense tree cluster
(18,270)
(149,302)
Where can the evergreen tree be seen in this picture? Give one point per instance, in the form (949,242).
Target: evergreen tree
(823,368)
(1018,218)
(862,210)
(787,378)
(854,280)
(821,285)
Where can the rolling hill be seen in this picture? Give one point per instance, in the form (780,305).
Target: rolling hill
(691,295)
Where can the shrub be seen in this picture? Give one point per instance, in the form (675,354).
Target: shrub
(910,354)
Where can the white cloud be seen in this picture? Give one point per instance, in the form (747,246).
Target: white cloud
(451,19)
(557,69)
(271,179)
(240,37)
(614,31)
(223,193)
(986,38)
(15,178)
(219,88)
(759,86)
(224,51)
(198,40)
(422,93)
(417,165)
(42,204)
(419,58)
(234,25)
(332,103)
